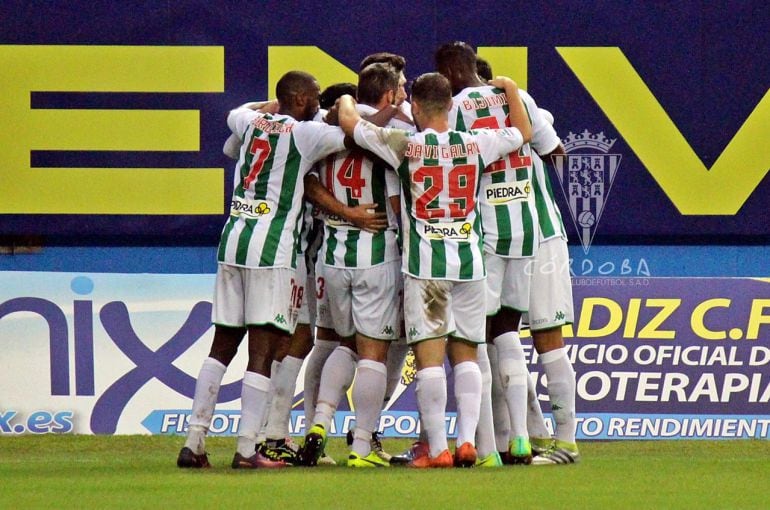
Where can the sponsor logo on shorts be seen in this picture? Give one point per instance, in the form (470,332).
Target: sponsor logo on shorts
(504,192)
(559,316)
(250,209)
(280,319)
(387,330)
(586,174)
(457,231)
(413,332)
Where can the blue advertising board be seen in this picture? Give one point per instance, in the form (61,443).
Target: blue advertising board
(113,112)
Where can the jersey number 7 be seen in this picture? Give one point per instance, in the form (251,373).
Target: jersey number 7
(259,150)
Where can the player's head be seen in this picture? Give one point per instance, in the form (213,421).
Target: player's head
(397,61)
(431,97)
(483,69)
(377,82)
(333,92)
(297,93)
(457,61)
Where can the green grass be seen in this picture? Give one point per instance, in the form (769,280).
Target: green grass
(139,472)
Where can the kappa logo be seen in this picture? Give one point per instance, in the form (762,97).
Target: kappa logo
(586,174)
(280,319)
(413,332)
(387,330)
(559,316)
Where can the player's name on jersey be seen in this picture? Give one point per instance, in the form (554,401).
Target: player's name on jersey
(504,192)
(446,151)
(480,103)
(271,126)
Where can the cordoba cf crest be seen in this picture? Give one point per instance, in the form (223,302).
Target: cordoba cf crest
(586,173)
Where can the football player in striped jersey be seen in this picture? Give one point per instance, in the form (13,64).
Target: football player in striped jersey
(440,170)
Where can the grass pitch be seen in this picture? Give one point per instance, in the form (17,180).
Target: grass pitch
(140,472)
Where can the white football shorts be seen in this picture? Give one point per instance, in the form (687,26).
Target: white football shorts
(254,297)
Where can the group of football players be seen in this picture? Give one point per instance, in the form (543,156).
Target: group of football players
(374,225)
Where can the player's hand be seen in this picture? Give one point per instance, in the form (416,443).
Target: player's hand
(365,217)
(333,115)
(502,82)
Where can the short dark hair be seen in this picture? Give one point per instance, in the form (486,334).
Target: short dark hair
(433,92)
(483,69)
(456,54)
(374,81)
(333,92)
(383,57)
(293,83)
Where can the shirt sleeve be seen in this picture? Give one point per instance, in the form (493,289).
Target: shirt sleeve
(232,147)
(497,143)
(238,120)
(544,137)
(392,184)
(387,143)
(316,140)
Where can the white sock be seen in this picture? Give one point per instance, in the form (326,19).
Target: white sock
(535,420)
(284,385)
(368,393)
(336,378)
(394,365)
(485,432)
(275,367)
(204,402)
(513,374)
(313,367)
(502,419)
(254,395)
(431,399)
(561,391)
(467,378)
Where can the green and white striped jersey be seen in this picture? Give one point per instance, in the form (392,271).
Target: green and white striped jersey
(268,187)
(508,195)
(354,177)
(548,214)
(440,174)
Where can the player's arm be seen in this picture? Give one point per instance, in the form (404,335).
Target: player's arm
(387,144)
(362,216)
(558,151)
(348,115)
(383,116)
(516,112)
(232,147)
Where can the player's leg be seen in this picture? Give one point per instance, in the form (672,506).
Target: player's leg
(504,333)
(339,370)
(326,340)
(227,316)
(368,395)
(425,308)
(485,432)
(377,321)
(469,317)
(551,308)
(224,346)
(500,415)
(284,382)
(269,325)
(398,349)
(539,435)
